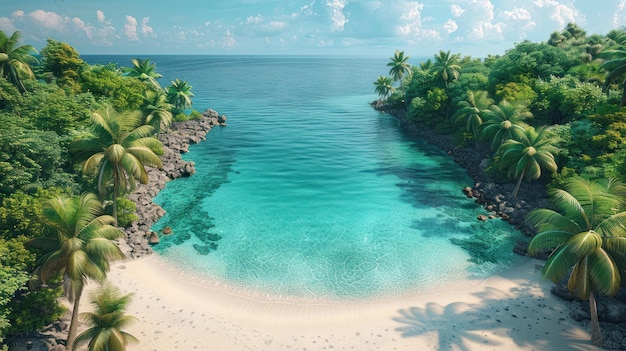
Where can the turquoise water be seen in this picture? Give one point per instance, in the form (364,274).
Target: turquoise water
(310,192)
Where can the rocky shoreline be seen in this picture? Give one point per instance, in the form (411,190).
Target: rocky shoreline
(176,141)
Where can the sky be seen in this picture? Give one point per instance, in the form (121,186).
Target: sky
(302,27)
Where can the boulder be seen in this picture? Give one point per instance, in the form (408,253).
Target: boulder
(153,239)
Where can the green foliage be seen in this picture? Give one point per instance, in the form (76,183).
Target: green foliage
(10,97)
(144,71)
(117,151)
(15,260)
(16,60)
(179,94)
(20,213)
(107,321)
(105,81)
(51,109)
(126,209)
(399,66)
(562,99)
(35,309)
(30,159)
(516,93)
(64,63)
(195,115)
(530,61)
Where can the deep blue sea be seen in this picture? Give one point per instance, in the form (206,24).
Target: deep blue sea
(309,191)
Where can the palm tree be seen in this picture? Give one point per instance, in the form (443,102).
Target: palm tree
(383,87)
(446,67)
(118,151)
(503,121)
(399,67)
(157,110)
(471,110)
(526,157)
(81,248)
(179,94)
(15,60)
(144,71)
(587,234)
(616,66)
(107,321)
(427,65)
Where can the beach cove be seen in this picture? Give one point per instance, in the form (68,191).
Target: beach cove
(178,309)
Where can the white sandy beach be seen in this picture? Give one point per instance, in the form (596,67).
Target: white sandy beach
(179,311)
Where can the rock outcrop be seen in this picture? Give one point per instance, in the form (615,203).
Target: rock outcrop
(176,141)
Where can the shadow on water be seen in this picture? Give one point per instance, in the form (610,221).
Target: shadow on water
(498,315)
(197,223)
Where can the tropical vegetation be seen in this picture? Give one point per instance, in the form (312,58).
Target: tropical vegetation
(586,232)
(106,321)
(80,248)
(58,215)
(78,136)
(551,113)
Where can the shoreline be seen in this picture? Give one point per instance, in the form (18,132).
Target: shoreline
(181,310)
(239,312)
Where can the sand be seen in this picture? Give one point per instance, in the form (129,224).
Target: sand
(513,310)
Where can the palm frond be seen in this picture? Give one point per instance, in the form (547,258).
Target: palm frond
(604,273)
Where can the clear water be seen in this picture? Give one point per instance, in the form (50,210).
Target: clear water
(310,192)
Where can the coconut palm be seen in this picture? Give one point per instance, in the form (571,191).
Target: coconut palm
(399,66)
(106,321)
(16,59)
(179,94)
(118,151)
(586,231)
(157,110)
(144,71)
(502,122)
(81,248)
(383,87)
(526,157)
(446,67)
(427,65)
(472,109)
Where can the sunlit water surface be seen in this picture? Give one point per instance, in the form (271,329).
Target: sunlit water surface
(309,192)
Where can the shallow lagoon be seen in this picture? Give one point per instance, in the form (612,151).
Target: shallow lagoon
(310,192)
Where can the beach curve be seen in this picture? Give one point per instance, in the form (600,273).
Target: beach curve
(513,310)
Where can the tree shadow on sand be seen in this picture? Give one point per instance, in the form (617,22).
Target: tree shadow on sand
(499,320)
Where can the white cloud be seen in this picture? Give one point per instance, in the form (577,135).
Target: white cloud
(561,13)
(17,14)
(80,24)
(229,41)
(337,16)
(254,19)
(130,28)
(49,20)
(620,15)
(7,26)
(101,17)
(456,10)
(145,28)
(450,26)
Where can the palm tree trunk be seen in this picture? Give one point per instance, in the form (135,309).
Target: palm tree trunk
(517,185)
(596,334)
(71,335)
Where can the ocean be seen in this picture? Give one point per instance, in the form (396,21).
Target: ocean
(309,191)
